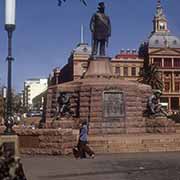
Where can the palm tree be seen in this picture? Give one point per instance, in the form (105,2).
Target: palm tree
(151,76)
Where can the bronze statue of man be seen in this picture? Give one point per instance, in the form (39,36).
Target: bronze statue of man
(100,27)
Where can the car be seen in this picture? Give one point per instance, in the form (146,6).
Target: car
(34,114)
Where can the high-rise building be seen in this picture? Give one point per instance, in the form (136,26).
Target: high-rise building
(32,89)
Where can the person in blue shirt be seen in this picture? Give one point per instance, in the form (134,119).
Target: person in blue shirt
(83,141)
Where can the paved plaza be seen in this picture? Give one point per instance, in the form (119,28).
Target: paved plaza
(140,166)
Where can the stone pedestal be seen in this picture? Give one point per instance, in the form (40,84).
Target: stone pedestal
(99,67)
(160,125)
(10,142)
(112,106)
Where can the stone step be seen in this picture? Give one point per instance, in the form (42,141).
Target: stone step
(106,125)
(64,124)
(100,131)
(128,143)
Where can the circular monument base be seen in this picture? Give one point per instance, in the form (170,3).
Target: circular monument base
(112,106)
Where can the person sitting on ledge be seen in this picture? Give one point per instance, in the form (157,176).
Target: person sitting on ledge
(154,107)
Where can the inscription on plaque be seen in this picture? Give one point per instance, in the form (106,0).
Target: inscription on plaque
(113,104)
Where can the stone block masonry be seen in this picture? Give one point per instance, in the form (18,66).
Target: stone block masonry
(46,141)
(135,143)
(61,141)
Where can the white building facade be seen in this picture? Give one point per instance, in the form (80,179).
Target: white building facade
(32,89)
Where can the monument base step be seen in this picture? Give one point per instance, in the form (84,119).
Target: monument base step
(131,143)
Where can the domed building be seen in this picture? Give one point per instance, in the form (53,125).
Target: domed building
(163,49)
(79,59)
(76,66)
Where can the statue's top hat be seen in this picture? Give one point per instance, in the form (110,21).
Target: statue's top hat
(101,5)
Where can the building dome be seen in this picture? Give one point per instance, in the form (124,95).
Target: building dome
(163,40)
(82,48)
(161,36)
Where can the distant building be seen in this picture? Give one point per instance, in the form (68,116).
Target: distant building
(38,101)
(33,88)
(163,49)
(1,108)
(3,95)
(54,77)
(75,68)
(79,60)
(127,65)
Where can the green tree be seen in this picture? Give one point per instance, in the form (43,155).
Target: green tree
(16,103)
(151,76)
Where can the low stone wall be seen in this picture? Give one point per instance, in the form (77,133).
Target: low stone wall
(46,141)
(61,141)
(135,143)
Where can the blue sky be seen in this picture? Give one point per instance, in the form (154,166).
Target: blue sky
(46,34)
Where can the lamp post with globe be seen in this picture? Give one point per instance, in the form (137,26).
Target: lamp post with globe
(10,9)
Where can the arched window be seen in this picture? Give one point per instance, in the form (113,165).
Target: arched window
(162,26)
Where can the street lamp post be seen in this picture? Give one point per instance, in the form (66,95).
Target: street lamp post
(10,8)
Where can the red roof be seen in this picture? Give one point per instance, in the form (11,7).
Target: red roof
(126,56)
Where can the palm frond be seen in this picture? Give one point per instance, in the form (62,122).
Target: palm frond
(151,76)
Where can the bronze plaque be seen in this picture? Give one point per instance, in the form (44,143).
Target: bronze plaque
(113,104)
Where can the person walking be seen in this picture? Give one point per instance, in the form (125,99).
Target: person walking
(83,141)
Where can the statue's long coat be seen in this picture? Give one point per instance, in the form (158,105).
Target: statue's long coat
(100,26)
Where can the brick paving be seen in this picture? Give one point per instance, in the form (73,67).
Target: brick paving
(138,166)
